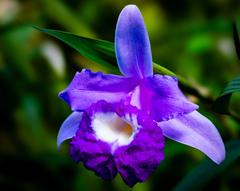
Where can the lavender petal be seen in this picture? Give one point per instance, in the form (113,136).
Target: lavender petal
(161,97)
(88,87)
(132,44)
(196,131)
(69,128)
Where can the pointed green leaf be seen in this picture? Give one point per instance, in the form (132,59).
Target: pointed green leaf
(99,51)
(207,170)
(221,105)
(236,40)
(103,53)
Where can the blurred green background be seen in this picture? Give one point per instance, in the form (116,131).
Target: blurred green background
(191,38)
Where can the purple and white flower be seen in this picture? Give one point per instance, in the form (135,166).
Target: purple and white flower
(118,121)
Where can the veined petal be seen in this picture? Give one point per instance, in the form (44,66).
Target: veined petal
(197,131)
(95,154)
(161,97)
(69,128)
(136,161)
(132,44)
(88,87)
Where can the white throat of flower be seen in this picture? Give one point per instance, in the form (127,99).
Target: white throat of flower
(111,128)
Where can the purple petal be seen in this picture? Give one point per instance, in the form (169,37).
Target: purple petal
(88,87)
(69,128)
(95,154)
(197,131)
(136,161)
(160,96)
(132,44)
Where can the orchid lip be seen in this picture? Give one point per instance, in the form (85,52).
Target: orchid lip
(119,138)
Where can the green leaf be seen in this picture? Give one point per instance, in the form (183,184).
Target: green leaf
(221,105)
(99,51)
(102,52)
(207,170)
(236,40)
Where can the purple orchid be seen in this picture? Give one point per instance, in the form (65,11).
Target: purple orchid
(118,122)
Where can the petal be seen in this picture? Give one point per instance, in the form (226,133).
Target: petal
(88,87)
(95,154)
(85,147)
(69,128)
(196,131)
(136,161)
(132,44)
(161,97)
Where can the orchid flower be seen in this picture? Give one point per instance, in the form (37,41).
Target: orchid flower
(118,122)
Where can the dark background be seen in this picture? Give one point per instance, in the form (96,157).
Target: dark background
(191,38)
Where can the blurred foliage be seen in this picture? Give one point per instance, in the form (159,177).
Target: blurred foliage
(191,38)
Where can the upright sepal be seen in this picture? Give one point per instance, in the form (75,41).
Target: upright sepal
(132,44)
